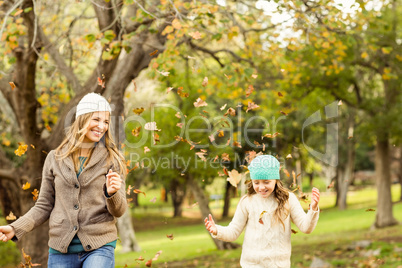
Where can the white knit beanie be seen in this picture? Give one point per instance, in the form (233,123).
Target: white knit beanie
(92,102)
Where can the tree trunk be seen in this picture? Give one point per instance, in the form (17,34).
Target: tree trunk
(127,234)
(226,205)
(178,192)
(384,216)
(205,211)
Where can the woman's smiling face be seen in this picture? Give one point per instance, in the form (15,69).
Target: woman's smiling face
(264,188)
(98,125)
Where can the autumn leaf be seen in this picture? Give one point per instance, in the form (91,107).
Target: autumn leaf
(155,258)
(181,92)
(294,231)
(170,236)
(102,82)
(200,103)
(148,263)
(249,90)
(12,85)
(136,131)
(370,209)
(254,76)
(211,137)
(137,191)
(18,12)
(270,135)
(201,155)
(223,107)
(26,186)
(288,156)
(176,24)
(163,73)
(282,112)
(153,53)
(146,149)
(11,216)
(260,219)
(153,200)
(234,177)
(221,133)
(22,148)
(251,106)
(205,82)
(35,194)
(286,172)
(236,144)
(227,76)
(135,85)
(156,138)
(140,258)
(225,157)
(230,111)
(151,126)
(331,184)
(280,94)
(340,103)
(195,35)
(169,89)
(180,125)
(138,111)
(33,146)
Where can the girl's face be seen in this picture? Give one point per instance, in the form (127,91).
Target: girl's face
(264,187)
(98,125)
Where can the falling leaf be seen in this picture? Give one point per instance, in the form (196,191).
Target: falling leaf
(211,137)
(370,209)
(35,194)
(221,133)
(155,258)
(18,12)
(140,258)
(205,82)
(48,128)
(225,171)
(170,236)
(228,76)
(195,35)
(26,186)
(181,92)
(137,191)
(146,149)
(153,53)
(138,111)
(270,135)
(251,106)
(230,111)
(151,126)
(12,85)
(163,73)
(135,85)
(180,125)
(340,103)
(22,148)
(254,76)
(153,200)
(234,177)
(350,137)
(169,89)
(257,143)
(286,172)
(148,263)
(156,138)
(260,219)
(280,94)
(294,231)
(176,24)
(136,131)
(282,112)
(331,185)
(201,155)
(11,216)
(102,82)
(225,157)
(236,144)
(223,107)
(228,142)
(216,158)
(33,146)
(249,90)
(200,103)
(288,156)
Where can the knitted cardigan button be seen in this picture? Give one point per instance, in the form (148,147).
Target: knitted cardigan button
(76,207)
(76,186)
(88,247)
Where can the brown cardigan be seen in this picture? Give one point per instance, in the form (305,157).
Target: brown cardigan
(75,206)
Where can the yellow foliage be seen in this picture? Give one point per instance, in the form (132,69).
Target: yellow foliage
(22,148)
(364,55)
(26,186)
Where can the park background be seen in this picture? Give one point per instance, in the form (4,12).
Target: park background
(199,88)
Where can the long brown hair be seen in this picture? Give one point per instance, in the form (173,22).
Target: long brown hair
(281,195)
(75,138)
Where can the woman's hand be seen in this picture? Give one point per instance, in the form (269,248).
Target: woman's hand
(6,233)
(315,198)
(113,182)
(210,225)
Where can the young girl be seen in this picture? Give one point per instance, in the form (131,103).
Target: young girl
(265,212)
(82,192)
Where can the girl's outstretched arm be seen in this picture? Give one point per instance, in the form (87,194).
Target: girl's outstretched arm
(210,225)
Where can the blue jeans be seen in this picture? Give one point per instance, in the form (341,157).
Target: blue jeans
(102,257)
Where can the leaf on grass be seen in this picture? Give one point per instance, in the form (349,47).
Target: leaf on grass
(140,258)
(370,209)
(155,258)
(26,186)
(200,103)
(11,216)
(170,236)
(146,149)
(251,106)
(148,263)
(260,219)
(138,191)
(234,177)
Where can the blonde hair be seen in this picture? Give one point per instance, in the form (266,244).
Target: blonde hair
(75,138)
(282,196)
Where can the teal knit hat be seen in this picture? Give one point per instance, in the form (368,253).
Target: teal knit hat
(264,167)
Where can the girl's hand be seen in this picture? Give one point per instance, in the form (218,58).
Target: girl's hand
(6,233)
(210,225)
(315,198)
(113,182)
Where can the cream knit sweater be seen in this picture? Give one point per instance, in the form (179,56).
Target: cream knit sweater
(267,244)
